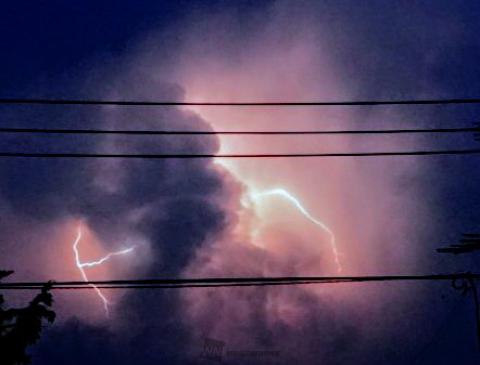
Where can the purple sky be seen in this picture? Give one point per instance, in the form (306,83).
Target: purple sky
(220,218)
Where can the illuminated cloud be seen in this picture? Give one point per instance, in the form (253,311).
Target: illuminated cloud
(196,218)
(366,208)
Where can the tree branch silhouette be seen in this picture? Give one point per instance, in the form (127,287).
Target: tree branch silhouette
(21,327)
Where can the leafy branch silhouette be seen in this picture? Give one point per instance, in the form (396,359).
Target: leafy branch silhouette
(21,327)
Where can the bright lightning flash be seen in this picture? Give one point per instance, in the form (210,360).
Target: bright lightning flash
(82,265)
(286,195)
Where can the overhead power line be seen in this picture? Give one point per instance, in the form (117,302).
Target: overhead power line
(232,281)
(192,132)
(42,101)
(266,155)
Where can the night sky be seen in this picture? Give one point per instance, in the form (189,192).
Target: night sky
(220,217)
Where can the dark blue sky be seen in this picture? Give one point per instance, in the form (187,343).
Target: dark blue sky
(391,49)
(51,39)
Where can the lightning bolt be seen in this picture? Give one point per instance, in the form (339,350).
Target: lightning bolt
(81,265)
(296,203)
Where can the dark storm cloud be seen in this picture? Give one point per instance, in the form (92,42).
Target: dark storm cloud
(387,49)
(174,194)
(174,205)
(383,51)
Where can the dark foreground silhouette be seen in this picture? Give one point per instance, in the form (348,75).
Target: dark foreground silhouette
(470,242)
(21,327)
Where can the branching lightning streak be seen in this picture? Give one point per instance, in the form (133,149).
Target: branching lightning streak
(285,194)
(82,265)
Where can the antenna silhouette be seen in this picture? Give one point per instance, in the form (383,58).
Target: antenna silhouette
(469,242)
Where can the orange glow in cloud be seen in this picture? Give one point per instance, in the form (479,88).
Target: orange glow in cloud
(358,203)
(258,78)
(353,197)
(50,252)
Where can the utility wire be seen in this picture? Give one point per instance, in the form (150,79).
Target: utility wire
(43,101)
(266,155)
(232,281)
(161,286)
(190,132)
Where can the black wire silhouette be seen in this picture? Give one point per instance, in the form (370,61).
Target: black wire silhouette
(42,131)
(254,155)
(43,101)
(231,281)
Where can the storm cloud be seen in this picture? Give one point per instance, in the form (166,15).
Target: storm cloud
(196,218)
